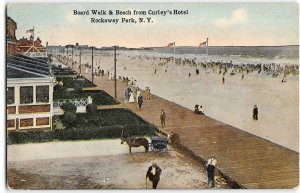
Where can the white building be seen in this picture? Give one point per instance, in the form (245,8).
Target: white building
(29,93)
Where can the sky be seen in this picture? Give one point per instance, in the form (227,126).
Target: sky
(225,24)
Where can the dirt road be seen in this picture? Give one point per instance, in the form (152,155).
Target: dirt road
(116,171)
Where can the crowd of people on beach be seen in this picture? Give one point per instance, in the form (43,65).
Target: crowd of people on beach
(222,67)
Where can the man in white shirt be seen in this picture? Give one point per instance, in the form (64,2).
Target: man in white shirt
(210,170)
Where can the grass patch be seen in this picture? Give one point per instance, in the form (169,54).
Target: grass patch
(59,71)
(109,117)
(78,82)
(100,97)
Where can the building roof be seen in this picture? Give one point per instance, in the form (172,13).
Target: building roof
(13,72)
(19,66)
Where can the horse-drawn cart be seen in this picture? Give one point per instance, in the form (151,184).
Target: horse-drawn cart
(159,143)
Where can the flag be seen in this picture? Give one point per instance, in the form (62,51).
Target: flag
(203,44)
(170,45)
(30,31)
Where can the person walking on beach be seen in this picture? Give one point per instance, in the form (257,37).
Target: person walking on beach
(210,170)
(223,80)
(255,113)
(163,118)
(140,101)
(153,174)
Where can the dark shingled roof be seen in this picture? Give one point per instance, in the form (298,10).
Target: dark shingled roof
(20,66)
(15,73)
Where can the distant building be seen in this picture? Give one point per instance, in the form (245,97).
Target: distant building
(84,46)
(29,48)
(11,40)
(29,94)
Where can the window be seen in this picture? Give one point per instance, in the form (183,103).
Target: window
(26,122)
(26,94)
(10,95)
(42,94)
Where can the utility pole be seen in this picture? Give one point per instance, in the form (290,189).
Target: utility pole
(115,66)
(207,46)
(79,59)
(72,55)
(92,64)
(67,54)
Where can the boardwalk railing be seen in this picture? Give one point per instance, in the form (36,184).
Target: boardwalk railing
(79,103)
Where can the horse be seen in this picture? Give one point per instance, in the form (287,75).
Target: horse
(135,142)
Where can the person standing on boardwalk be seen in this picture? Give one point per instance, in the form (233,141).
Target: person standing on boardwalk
(127,94)
(163,118)
(140,101)
(131,97)
(138,92)
(197,111)
(153,174)
(210,170)
(148,93)
(255,113)
(201,110)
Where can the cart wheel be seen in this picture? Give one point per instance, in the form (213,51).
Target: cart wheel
(160,146)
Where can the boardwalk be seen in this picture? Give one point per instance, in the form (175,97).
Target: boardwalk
(247,160)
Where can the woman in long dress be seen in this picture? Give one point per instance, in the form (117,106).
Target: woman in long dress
(131,97)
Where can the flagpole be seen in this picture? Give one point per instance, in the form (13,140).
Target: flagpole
(115,68)
(33,36)
(92,64)
(174,48)
(174,52)
(80,60)
(206,46)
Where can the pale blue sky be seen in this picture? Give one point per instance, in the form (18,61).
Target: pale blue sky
(225,24)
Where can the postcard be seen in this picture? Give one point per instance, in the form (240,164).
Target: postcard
(152,96)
